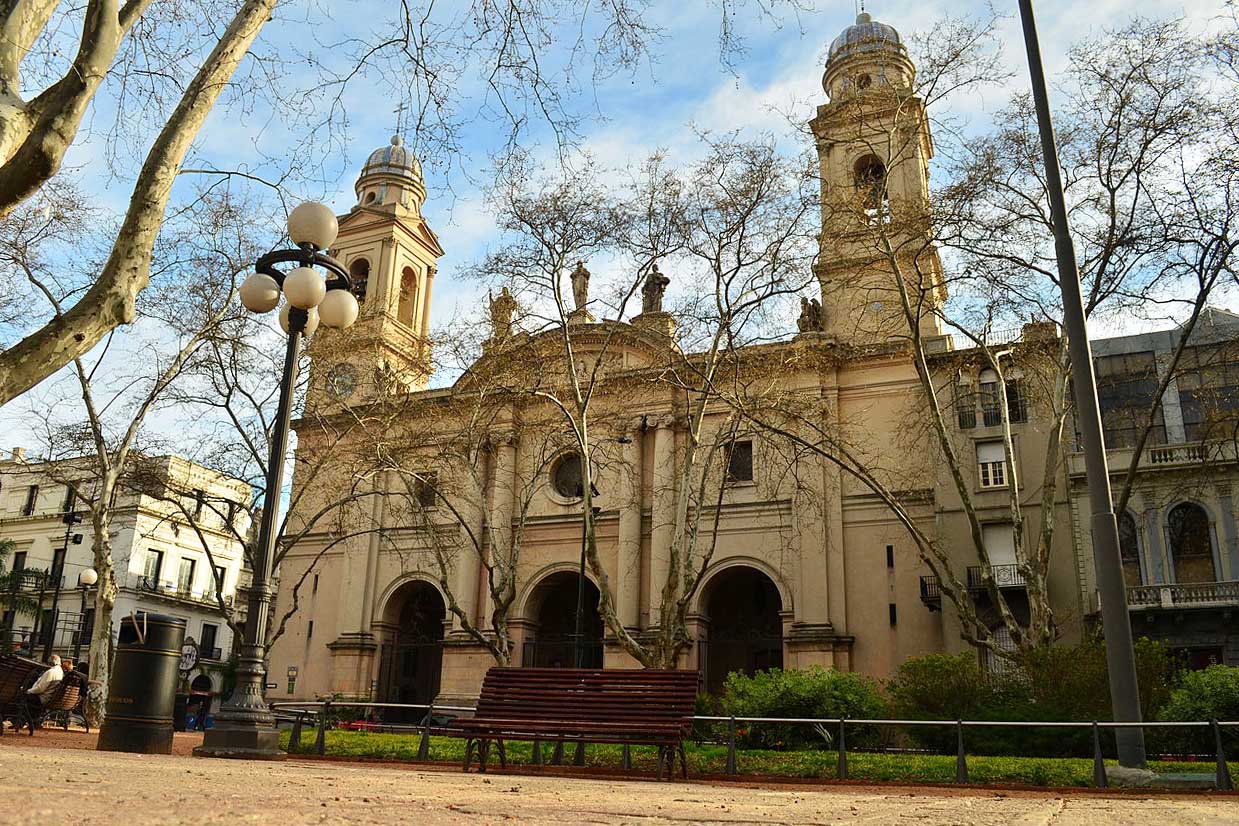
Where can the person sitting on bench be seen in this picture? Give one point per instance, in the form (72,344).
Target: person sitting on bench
(46,683)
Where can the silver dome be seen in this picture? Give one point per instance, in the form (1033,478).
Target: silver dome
(393,159)
(865,35)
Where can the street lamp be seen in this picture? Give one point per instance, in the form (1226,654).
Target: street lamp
(87,578)
(1115,621)
(245,727)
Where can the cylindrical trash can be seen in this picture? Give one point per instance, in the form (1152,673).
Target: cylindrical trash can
(142,692)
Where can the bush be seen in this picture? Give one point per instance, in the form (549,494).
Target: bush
(815,692)
(1202,695)
(940,687)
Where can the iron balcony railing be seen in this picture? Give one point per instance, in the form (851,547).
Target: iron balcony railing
(166,589)
(1184,595)
(931,592)
(210,654)
(1004,576)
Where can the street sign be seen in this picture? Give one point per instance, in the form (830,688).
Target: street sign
(292,672)
(272,686)
(189,656)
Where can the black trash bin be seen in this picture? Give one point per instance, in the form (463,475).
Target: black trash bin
(142,692)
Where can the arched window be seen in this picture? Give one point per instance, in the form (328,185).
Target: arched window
(871,184)
(1191,546)
(408,297)
(359,272)
(1129,550)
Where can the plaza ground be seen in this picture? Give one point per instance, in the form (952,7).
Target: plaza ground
(54,777)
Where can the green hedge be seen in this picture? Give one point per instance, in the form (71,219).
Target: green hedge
(814,692)
(1203,695)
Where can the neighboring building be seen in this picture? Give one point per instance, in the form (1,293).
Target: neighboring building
(810,568)
(160,563)
(1178,536)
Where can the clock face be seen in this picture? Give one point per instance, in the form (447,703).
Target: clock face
(342,380)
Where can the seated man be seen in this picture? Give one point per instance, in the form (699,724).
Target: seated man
(46,683)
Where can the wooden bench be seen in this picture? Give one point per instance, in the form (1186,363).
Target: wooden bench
(16,675)
(627,706)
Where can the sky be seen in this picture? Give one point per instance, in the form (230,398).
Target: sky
(683,86)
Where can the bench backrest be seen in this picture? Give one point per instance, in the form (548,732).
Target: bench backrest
(64,696)
(612,695)
(16,674)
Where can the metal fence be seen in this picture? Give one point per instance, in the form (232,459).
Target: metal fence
(298,713)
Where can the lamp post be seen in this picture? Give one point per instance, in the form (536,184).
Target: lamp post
(71,518)
(245,727)
(87,578)
(1115,622)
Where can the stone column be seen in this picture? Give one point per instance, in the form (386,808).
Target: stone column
(836,585)
(662,526)
(377,512)
(628,555)
(425,302)
(813,520)
(465,575)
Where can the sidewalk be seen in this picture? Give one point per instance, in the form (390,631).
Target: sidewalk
(44,784)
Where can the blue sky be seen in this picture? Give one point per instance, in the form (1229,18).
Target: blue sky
(628,114)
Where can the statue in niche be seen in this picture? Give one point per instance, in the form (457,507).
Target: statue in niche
(653,290)
(580,286)
(810,320)
(501,309)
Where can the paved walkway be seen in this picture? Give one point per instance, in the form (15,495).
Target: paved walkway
(41,785)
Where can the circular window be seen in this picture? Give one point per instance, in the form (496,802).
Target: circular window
(863,82)
(566,476)
(370,196)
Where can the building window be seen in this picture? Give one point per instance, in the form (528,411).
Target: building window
(407,305)
(359,274)
(231,510)
(1191,545)
(206,645)
(1017,409)
(70,499)
(314,590)
(1209,391)
(1126,392)
(309,630)
(999,541)
(740,461)
(424,487)
(58,567)
(185,575)
(966,403)
(992,464)
(890,556)
(870,175)
(19,561)
(221,579)
(566,476)
(6,621)
(32,498)
(199,500)
(894,614)
(153,567)
(993,662)
(1129,550)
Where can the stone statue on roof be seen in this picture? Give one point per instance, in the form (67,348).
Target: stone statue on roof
(653,290)
(580,286)
(502,307)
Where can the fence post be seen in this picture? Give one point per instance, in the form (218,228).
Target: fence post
(536,757)
(294,739)
(626,764)
(320,744)
(579,758)
(423,748)
(961,762)
(1224,782)
(842,770)
(731,746)
(1099,764)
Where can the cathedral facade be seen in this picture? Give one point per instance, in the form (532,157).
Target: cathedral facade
(804,564)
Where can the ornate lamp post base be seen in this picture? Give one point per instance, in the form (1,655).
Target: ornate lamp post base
(245,727)
(241,743)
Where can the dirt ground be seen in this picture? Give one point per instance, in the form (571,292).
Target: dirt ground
(56,776)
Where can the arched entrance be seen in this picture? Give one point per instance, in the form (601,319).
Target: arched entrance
(744,631)
(552,610)
(412,657)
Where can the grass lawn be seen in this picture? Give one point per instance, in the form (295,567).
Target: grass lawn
(712,759)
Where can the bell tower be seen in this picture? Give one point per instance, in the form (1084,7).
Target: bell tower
(391,255)
(874,146)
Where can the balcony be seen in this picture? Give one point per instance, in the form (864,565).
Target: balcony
(1159,457)
(166,590)
(1185,595)
(213,654)
(1004,576)
(931,593)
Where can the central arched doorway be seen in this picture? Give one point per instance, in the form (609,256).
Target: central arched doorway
(552,640)
(744,629)
(412,657)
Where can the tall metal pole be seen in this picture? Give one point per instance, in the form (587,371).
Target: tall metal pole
(57,575)
(245,726)
(1116,624)
(81,627)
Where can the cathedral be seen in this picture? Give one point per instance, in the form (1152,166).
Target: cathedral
(805,566)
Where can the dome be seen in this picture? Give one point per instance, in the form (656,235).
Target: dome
(865,35)
(393,159)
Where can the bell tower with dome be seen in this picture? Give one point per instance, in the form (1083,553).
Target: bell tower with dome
(874,146)
(391,255)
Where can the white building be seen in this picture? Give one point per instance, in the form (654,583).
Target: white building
(176,549)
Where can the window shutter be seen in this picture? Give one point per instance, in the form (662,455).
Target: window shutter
(991,452)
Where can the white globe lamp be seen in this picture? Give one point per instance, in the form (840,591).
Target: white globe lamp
(260,293)
(339,309)
(88,577)
(304,288)
(314,224)
(311,322)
